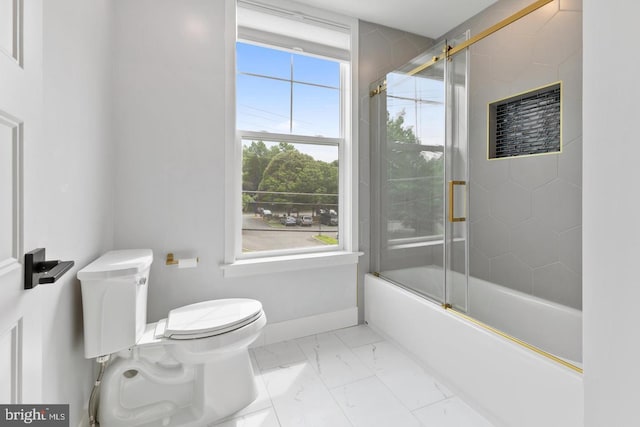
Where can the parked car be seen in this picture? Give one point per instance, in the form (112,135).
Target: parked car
(327,218)
(305,220)
(290,221)
(287,221)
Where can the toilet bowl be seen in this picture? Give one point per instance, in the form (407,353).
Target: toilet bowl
(189,369)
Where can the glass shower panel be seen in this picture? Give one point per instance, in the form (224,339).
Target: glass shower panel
(411,145)
(456,157)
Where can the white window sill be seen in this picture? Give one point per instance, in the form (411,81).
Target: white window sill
(278,264)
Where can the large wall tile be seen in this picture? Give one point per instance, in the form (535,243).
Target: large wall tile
(507,270)
(532,172)
(558,205)
(491,237)
(570,163)
(534,244)
(557,283)
(558,39)
(570,249)
(538,199)
(511,203)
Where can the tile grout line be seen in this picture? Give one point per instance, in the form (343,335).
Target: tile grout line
(266,388)
(378,378)
(331,394)
(434,403)
(411,411)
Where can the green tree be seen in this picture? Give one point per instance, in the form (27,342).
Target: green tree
(415,180)
(255,159)
(293,172)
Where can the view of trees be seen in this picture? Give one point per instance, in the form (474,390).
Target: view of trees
(282,169)
(281,178)
(415,182)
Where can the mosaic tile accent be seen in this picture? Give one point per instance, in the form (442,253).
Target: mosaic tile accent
(526,124)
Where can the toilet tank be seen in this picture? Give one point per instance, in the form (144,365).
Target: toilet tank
(114,300)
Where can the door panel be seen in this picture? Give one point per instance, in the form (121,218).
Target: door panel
(20,133)
(10,193)
(411,149)
(10,28)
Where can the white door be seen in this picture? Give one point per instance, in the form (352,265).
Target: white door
(20,134)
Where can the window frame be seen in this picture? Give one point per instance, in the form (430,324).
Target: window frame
(237,263)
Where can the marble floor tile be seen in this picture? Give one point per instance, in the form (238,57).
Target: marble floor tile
(414,389)
(369,403)
(263,418)
(406,379)
(452,412)
(327,342)
(384,356)
(332,360)
(300,398)
(357,336)
(350,377)
(279,354)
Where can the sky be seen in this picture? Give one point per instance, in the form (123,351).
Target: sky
(307,103)
(300,94)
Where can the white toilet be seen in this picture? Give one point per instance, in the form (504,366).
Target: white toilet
(189,369)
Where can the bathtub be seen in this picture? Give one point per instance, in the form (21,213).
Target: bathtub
(510,384)
(551,327)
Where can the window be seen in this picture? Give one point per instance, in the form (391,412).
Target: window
(294,151)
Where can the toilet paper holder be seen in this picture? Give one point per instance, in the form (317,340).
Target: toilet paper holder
(172,260)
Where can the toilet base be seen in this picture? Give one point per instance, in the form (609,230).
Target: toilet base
(140,391)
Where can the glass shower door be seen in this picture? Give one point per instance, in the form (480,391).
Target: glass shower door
(410,152)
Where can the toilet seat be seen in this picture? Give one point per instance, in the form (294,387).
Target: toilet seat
(209,318)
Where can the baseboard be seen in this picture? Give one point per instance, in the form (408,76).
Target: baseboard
(305,326)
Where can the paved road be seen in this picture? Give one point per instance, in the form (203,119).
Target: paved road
(257,235)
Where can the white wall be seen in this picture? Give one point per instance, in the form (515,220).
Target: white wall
(169,87)
(70,211)
(611,234)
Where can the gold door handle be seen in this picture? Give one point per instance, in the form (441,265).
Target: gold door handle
(451,202)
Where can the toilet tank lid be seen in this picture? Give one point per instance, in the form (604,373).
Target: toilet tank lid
(117,264)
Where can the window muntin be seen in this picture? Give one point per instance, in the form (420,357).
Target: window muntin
(291,133)
(269,101)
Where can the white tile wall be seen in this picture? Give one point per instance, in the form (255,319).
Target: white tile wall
(534,200)
(349,377)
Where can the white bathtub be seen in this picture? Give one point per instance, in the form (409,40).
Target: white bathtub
(511,385)
(552,327)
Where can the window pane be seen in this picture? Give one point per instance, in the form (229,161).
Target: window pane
(414,191)
(419,101)
(289,196)
(315,70)
(263,104)
(264,61)
(415,172)
(316,111)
